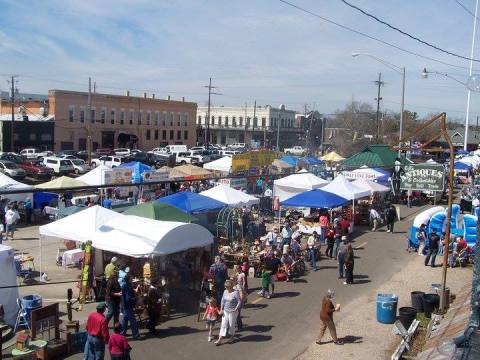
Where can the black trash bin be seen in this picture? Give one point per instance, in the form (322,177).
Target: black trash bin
(430,303)
(406,315)
(417,300)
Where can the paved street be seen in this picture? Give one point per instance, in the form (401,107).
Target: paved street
(284,326)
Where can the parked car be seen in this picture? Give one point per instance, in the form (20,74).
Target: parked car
(121,152)
(230,152)
(37,169)
(183,158)
(68,157)
(32,153)
(63,153)
(214,154)
(79,166)
(104,152)
(83,154)
(13,157)
(199,156)
(296,150)
(159,150)
(150,159)
(237,146)
(59,166)
(11,169)
(110,161)
(196,148)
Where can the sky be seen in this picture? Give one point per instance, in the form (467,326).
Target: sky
(261,50)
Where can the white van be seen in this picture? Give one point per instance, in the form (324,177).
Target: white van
(175,149)
(60,166)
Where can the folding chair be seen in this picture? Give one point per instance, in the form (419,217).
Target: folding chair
(21,272)
(22,317)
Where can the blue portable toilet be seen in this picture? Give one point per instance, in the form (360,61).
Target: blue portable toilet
(387,308)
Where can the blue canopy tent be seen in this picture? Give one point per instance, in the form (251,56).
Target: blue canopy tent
(289,159)
(458,165)
(316,198)
(137,168)
(310,160)
(192,203)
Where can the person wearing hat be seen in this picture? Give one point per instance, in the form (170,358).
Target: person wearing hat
(111,267)
(326,318)
(128,305)
(98,336)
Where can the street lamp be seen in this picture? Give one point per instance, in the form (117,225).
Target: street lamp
(472,84)
(401,71)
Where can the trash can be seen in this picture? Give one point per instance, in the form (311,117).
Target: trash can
(406,315)
(417,300)
(438,290)
(31,302)
(430,303)
(387,308)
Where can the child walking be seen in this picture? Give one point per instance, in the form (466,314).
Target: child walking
(265,282)
(211,315)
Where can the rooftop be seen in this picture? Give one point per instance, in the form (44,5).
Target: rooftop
(5,96)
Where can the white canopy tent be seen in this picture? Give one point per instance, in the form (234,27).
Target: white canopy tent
(230,196)
(470,160)
(371,186)
(295,184)
(223,164)
(139,237)
(9,184)
(363,172)
(95,176)
(8,295)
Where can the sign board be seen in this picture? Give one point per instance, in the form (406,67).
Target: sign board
(118,176)
(252,159)
(423,177)
(354,175)
(236,183)
(153,176)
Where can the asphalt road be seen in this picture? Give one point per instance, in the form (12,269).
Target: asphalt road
(284,326)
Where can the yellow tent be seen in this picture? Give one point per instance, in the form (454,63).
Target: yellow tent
(332,156)
(189,170)
(63,182)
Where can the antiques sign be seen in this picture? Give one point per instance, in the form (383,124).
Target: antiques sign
(423,177)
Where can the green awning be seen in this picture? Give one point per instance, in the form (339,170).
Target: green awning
(381,156)
(160,211)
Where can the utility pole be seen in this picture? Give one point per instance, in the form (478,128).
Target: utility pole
(13,89)
(254,115)
(278,127)
(246,126)
(210,93)
(89,121)
(379,84)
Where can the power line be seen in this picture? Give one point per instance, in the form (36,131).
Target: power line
(466,9)
(407,34)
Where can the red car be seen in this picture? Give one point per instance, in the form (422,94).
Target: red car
(104,152)
(36,169)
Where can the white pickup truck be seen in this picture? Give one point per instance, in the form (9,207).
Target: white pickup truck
(296,150)
(35,153)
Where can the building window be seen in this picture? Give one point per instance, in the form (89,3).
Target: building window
(247,123)
(171,118)
(149,115)
(212,121)
(264,122)
(112,116)
(255,122)
(82,114)
(219,121)
(147,135)
(164,134)
(199,120)
(226,121)
(179,135)
(234,121)
(33,137)
(103,114)
(46,137)
(185,135)
(132,116)
(157,118)
(71,113)
(171,134)
(122,116)
(93,115)
(281,123)
(140,118)
(155,135)
(179,118)
(240,121)
(164,120)
(185,119)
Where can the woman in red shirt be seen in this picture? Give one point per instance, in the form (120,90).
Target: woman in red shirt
(118,344)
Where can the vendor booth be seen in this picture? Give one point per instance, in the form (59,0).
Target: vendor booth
(189,172)
(8,295)
(9,184)
(373,174)
(192,203)
(62,182)
(160,211)
(230,196)
(292,185)
(332,156)
(316,198)
(371,186)
(223,165)
(95,176)
(281,167)
(137,168)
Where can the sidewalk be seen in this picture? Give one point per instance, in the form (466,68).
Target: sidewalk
(364,337)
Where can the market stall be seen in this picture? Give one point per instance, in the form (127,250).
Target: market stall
(292,185)
(192,203)
(96,176)
(332,156)
(62,182)
(373,174)
(223,165)
(230,196)
(189,172)
(317,198)
(137,169)
(9,184)
(371,186)
(160,211)
(279,166)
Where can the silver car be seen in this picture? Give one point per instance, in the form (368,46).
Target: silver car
(11,169)
(79,166)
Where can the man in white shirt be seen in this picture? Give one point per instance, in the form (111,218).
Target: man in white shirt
(312,239)
(11,217)
(271,237)
(475,203)
(374,218)
(268,192)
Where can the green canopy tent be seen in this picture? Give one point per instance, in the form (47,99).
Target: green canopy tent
(374,156)
(160,211)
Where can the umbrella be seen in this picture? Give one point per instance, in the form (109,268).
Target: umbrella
(332,156)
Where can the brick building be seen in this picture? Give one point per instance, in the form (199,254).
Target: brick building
(118,121)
